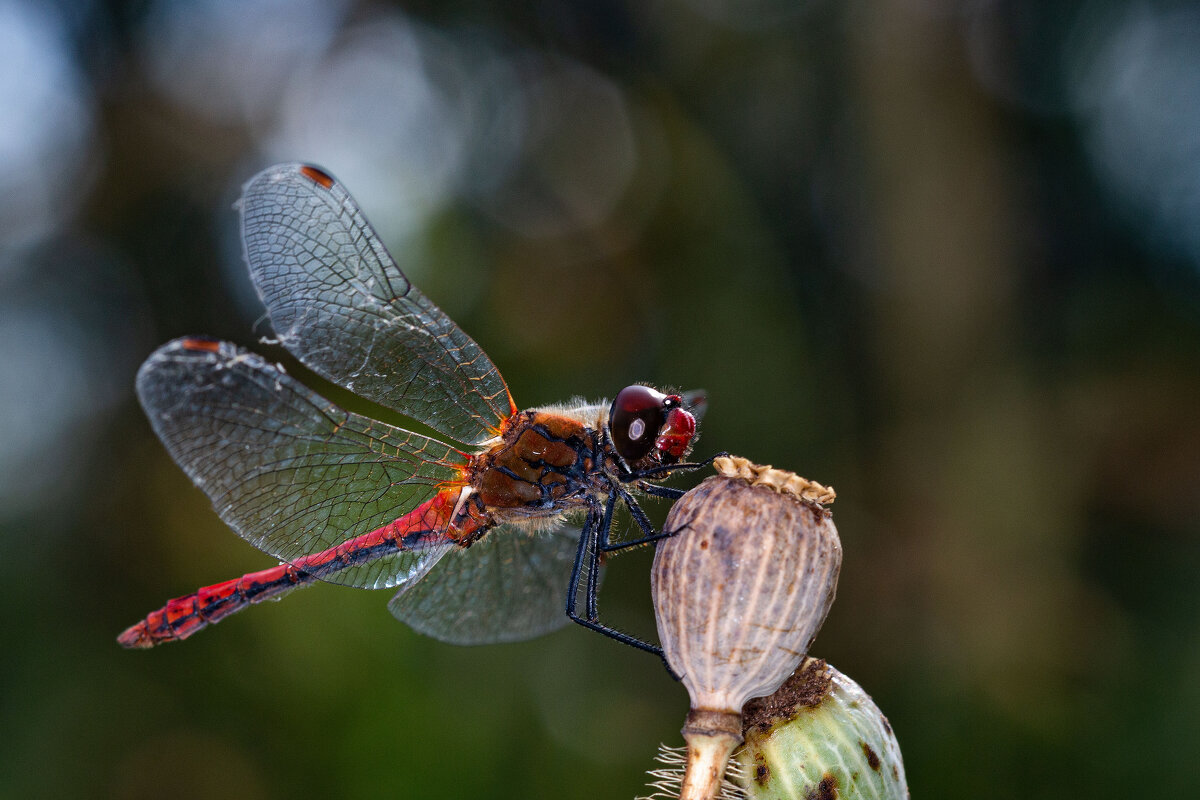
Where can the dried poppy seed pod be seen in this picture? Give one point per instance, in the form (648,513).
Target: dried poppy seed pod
(739,594)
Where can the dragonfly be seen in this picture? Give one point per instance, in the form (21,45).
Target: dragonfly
(489,532)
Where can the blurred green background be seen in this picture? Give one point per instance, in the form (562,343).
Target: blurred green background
(944,256)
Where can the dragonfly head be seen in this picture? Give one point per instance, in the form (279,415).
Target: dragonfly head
(650,428)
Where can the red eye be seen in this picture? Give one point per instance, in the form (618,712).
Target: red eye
(637,414)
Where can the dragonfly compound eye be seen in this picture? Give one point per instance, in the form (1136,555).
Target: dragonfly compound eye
(635,419)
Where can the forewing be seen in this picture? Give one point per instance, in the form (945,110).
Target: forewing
(509,586)
(339,303)
(289,471)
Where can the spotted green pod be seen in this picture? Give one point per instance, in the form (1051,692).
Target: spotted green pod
(819,737)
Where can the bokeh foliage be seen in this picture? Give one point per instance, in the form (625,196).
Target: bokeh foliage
(941,255)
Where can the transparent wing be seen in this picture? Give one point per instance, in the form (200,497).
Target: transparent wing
(696,402)
(509,586)
(340,304)
(289,471)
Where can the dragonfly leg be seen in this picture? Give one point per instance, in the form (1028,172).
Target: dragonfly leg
(654,490)
(594,529)
(593,578)
(625,638)
(585,537)
(639,517)
(683,466)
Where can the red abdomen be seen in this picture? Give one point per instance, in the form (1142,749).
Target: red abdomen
(427,525)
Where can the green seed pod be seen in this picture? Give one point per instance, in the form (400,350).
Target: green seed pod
(819,737)
(740,592)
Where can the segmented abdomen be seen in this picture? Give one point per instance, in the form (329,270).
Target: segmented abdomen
(426,526)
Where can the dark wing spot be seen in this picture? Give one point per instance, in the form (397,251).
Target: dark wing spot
(317,176)
(201,344)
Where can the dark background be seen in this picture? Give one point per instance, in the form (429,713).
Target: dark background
(941,255)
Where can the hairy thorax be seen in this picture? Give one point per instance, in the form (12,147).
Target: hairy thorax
(543,465)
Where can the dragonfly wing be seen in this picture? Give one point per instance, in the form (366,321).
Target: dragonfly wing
(509,586)
(289,471)
(696,403)
(340,304)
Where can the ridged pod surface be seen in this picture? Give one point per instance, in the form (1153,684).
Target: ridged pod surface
(740,592)
(743,586)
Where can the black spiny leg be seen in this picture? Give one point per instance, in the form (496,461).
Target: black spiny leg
(585,537)
(588,539)
(684,466)
(593,578)
(654,490)
(639,516)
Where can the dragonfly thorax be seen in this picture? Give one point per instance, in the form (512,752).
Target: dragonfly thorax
(544,464)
